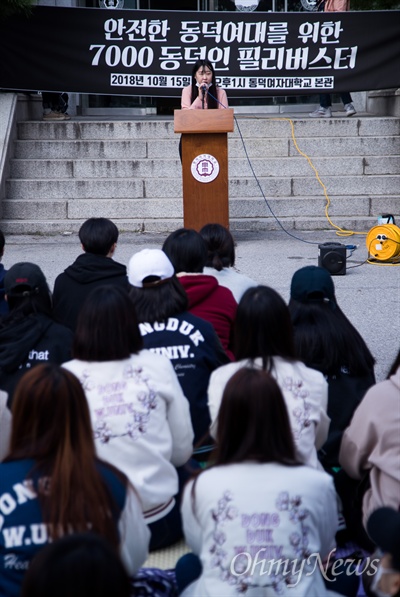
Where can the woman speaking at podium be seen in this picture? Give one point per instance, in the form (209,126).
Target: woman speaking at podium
(203,93)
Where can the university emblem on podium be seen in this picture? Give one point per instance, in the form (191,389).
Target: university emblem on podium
(205,168)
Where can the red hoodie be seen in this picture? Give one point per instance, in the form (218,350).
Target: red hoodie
(212,302)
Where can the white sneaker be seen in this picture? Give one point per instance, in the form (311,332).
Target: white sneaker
(321,112)
(350,109)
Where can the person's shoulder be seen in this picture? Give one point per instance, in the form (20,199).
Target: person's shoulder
(382,393)
(299,368)
(226,294)
(159,363)
(60,330)
(226,371)
(310,476)
(202,325)
(14,471)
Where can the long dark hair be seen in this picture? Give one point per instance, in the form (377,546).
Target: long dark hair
(326,340)
(22,306)
(211,101)
(253,423)
(107,327)
(262,328)
(158,302)
(220,246)
(51,425)
(186,250)
(81,564)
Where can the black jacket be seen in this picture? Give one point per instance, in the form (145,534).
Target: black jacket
(30,341)
(76,282)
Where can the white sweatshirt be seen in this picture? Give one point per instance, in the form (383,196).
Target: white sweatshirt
(282,513)
(141,423)
(305,392)
(230,278)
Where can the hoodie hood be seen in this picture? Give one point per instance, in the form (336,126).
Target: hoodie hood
(198,287)
(89,268)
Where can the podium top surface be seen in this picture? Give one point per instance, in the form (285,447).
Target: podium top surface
(203,121)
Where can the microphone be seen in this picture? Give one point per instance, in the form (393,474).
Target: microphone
(204,88)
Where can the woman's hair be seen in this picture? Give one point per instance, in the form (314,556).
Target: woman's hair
(211,101)
(107,327)
(326,340)
(80,565)
(158,302)
(23,305)
(253,423)
(395,365)
(51,424)
(220,246)
(262,328)
(186,250)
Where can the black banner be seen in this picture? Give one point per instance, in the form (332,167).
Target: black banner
(151,53)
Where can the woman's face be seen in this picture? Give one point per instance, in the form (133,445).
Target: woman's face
(204,75)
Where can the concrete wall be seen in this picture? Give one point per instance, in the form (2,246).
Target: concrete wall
(8,106)
(384,102)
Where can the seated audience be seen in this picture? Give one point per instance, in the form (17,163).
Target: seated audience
(28,334)
(370,448)
(95,267)
(383,527)
(327,341)
(257,507)
(167,328)
(140,417)
(263,338)
(52,483)
(221,260)
(187,252)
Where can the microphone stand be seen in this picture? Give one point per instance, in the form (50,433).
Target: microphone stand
(203,91)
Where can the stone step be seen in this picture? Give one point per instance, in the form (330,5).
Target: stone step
(272,186)
(128,168)
(256,148)
(249,126)
(63,173)
(166,208)
(164,226)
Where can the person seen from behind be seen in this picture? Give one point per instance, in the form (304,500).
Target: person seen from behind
(140,417)
(187,251)
(221,260)
(54,483)
(94,267)
(257,504)
(29,335)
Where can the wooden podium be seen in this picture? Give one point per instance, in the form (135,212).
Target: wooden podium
(204,152)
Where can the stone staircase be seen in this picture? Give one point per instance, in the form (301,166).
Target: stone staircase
(129,171)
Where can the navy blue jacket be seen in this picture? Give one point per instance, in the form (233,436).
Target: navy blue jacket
(195,351)
(22,531)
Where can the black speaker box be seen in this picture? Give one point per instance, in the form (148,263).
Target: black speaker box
(332,256)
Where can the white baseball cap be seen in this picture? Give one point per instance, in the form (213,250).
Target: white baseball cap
(149,262)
